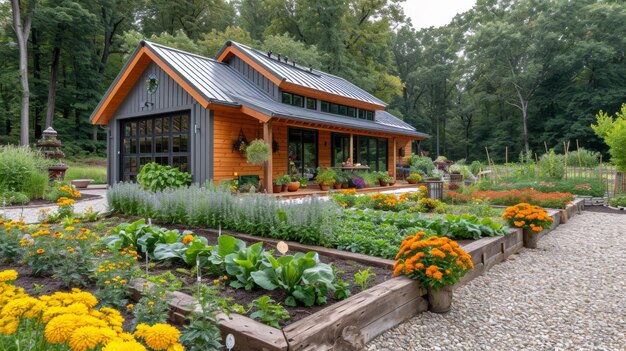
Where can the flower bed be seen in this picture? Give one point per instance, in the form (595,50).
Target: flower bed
(585,186)
(512,197)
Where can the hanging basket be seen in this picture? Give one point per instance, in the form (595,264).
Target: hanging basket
(241,143)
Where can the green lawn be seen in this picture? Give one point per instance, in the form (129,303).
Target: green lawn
(88,169)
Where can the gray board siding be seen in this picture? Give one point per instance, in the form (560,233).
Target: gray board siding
(169,97)
(255,77)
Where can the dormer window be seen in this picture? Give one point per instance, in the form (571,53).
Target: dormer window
(311,104)
(293,99)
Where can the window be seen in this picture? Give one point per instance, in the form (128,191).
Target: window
(292,99)
(340,149)
(365,114)
(342,110)
(311,104)
(371,151)
(162,139)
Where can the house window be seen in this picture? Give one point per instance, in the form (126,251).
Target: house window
(365,114)
(371,151)
(163,139)
(311,104)
(338,109)
(292,99)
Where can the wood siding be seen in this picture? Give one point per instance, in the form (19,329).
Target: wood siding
(255,77)
(169,97)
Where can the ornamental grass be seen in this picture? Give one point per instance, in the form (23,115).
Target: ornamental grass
(527,216)
(511,197)
(433,261)
(69,321)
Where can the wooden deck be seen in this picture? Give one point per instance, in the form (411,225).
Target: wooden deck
(314,189)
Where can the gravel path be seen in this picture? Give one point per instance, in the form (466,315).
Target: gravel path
(570,294)
(31,214)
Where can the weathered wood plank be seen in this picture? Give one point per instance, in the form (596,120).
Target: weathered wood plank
(321,330)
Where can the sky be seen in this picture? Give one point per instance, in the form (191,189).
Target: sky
(427,13)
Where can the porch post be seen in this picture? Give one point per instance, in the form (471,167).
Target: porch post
(267,168)
(351,148)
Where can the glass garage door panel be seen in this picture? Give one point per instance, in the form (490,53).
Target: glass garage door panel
(162,139)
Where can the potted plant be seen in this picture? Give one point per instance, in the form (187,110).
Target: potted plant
(325,178)
(284,181)
(455,173)
(384,178)
(437,263)
(392,180)
(258,152)
(414,178)
(277,185)
(532,219)
(304,181)
(340,180)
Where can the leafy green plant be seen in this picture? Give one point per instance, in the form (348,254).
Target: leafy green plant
(301,276)
(552,165)
(153,307)
(583,158)
(23,170)
(226,245)
(268,311)
(155,177)
(114,272)
(146,238)
(618,201)
(203,332)
(13,197)
(421,164)
(363,277)
(613,131)
(258,152)
(326,176)
(242,263)
(282,180)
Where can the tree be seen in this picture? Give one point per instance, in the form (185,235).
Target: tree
(22,32)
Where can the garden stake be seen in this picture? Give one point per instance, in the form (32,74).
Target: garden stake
(198,273)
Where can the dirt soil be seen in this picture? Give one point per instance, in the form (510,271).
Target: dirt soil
(347,269)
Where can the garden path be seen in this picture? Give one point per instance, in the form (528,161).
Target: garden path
(566,295)
(31,214)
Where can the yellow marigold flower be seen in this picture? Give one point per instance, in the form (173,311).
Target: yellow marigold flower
(40,251)
(216,282)
(176,347)
(87,338)
(17,307)
(8,325)
(225,277)
(8,275)
(69,229)
(187,239)
(60,328)
(130,306)
(77,309)
(150,303)
(159,336)
(124,346)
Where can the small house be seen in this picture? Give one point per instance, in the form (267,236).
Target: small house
(192,112)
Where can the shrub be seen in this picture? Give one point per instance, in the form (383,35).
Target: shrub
(583,158)
(614,134)
(618,201)
(421,164)
(13,197)
(552,165)
(476,167)
(155,177)
(23,169)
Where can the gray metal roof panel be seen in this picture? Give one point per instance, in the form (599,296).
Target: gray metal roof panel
(302,76)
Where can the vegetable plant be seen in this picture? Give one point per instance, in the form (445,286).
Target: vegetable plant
(301,276)
(268,311)
(363,277)
(155,177)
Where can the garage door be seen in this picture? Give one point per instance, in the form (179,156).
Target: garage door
(163,139)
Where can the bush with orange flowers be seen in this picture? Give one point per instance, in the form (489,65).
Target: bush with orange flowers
(433,261)
(509,197)
(527,216)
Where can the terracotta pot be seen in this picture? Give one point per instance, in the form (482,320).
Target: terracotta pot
(293,186)
(412,181)
(284,187)
(324,187)
(382,182)
(277,188)
(531,238)
(440,301)
(392,183)
(337,185)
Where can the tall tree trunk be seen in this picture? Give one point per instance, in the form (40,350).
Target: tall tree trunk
(52,88)
(22,31)
(525,123)
(37,80)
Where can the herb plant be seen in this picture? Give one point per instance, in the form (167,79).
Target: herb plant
(268,311)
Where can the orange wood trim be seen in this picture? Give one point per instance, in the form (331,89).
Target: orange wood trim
(313,93)
(178,79)
(234,51)
(268,169)
(256,114)
(132,73)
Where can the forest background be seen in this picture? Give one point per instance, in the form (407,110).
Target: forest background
(520,75)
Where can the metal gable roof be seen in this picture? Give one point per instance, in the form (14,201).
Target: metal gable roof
(302,76)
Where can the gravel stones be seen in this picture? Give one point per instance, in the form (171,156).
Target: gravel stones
(569,294)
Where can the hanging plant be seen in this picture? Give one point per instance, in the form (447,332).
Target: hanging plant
(258,152)
(241,143)
(152,84)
